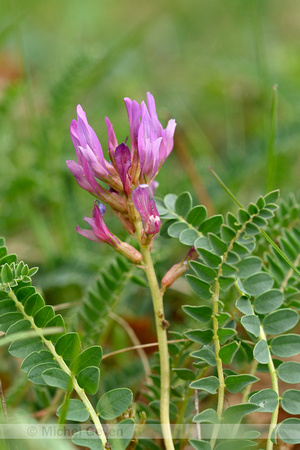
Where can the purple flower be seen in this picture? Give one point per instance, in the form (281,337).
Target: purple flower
(89,150)
(145,205)
(84,138)
(150,146)
(123,164)
(84,175)
(148,138)
(99,231)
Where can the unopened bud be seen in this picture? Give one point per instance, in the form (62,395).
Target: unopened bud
(129,252)
(178,269)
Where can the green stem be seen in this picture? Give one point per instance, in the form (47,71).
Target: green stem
(80,392)
(248,388)
(179,420)
(221,389)
(161,330)
(274,381)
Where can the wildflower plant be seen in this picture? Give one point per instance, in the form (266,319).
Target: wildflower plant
(242,268)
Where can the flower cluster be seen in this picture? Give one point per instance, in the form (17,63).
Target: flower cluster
(126,182)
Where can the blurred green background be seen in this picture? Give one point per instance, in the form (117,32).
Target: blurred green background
(210,64)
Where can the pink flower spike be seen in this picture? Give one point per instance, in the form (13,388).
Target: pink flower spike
(145,205)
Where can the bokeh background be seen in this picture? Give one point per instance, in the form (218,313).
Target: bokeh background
(211,65)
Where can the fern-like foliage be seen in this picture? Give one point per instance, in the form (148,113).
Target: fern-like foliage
(54,359)
(268,291)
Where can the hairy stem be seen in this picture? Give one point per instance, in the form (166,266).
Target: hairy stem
(80,392)
(247,389)
(161,330)
(274,381)
(180,418)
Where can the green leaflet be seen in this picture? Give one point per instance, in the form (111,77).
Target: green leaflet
(234,414)
(200,445)
(89,357)
(35,359)
(207,416)
(228,351)
(68,346)
(258,283)
(203,336)
(289,372)
(125,429)
(261,352)
(199,287)
(87,439)
(76,411)
(196,215)
(280,321)
(267,399)
(57,378)
(113,403)
(290,401)
(183,204)
(236,383)
(88,379)
(208,384)
(268,302)
(199,313)
(251,323)
(288,431)
(286,345)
